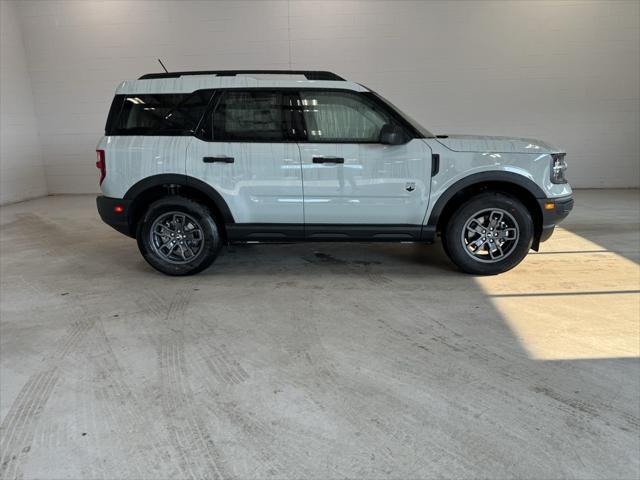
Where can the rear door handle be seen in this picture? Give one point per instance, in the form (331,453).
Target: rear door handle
(218,159)
(328,160)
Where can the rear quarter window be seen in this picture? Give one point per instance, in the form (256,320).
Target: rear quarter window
(157,114)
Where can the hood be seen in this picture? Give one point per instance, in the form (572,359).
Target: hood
(479,143)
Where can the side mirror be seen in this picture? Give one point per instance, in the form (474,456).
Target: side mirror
(392,135)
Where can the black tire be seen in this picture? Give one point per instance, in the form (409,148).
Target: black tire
(466,260)
(206,249)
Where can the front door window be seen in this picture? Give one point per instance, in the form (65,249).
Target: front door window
(341,117)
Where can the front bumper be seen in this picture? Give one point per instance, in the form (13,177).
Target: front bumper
(551,217)
(115,213)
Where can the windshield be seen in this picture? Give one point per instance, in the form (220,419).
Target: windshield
(426,133)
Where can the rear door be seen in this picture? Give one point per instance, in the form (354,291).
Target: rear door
(245,151)
(349,177)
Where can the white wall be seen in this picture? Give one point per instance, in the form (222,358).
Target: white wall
(21,167)
(564,71)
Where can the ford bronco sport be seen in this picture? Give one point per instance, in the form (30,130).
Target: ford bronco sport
(193,160)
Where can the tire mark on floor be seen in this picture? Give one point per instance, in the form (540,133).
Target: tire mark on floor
(633,422)
(273,456)
(252,434)
(436,334)
(567,403)
(18,427)
(277,459)
(214,366)
(384,437)
(589,410)
(368,413)
(78,330)
(151,303)
(51,435)
(93,469)
(509,366)
(327,391)
(223,365)
(374,431)
(580,414)
(130,419)
(112,420)
(198,457)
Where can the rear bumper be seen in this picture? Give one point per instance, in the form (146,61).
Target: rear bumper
(562,206)
(115,213)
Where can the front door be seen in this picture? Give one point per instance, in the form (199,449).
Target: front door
(246,154)
(349,177)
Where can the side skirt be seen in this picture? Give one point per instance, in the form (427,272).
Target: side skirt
(284,232)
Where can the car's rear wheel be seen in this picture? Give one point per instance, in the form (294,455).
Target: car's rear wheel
(489,234)
(178,236)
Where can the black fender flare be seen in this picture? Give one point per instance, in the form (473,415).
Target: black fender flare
(501,176)
(181,180)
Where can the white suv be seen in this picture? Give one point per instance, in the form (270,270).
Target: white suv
(193,160)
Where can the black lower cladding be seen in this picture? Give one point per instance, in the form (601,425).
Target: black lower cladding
(115,213)
(281,232)
(552,217)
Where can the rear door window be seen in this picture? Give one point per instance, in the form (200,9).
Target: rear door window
(252,116)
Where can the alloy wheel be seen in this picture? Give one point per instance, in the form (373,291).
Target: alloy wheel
(490,235)
(176,237)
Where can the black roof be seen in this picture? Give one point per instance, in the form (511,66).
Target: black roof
(309,74)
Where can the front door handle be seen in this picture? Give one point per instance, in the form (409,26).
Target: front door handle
(218,159)
(328,160)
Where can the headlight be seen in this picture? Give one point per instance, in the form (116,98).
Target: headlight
(558,167)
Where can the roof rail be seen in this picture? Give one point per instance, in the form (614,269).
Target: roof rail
(309,74)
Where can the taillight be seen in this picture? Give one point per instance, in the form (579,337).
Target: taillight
(101,164)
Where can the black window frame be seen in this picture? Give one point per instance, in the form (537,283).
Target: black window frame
(301,135)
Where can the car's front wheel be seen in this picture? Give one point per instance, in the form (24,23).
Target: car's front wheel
(178,236)
(489,234)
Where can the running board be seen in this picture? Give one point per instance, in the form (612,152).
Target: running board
(284,232)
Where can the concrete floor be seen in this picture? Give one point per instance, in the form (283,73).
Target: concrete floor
(318,360)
